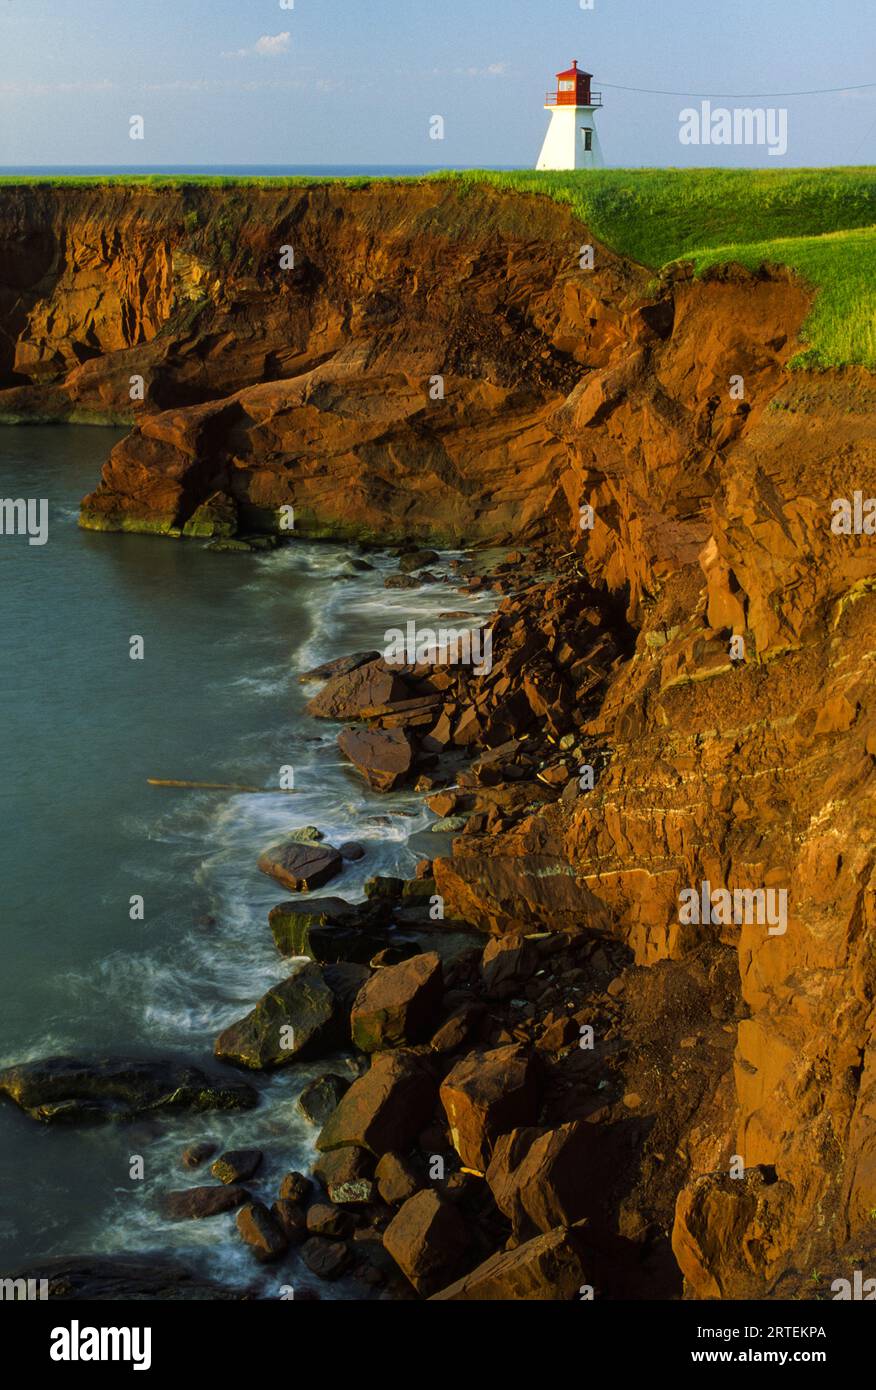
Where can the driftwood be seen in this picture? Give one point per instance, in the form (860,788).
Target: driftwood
(220,787)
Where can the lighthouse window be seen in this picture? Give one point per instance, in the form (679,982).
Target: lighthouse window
(567,86)
(588,137)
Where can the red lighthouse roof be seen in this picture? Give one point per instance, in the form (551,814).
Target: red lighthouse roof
(573,88)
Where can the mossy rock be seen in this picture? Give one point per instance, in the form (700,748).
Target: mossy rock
(214,518)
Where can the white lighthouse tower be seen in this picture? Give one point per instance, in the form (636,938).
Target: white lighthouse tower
(572,141)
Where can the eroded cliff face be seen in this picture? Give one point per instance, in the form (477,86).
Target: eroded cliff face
(711,520)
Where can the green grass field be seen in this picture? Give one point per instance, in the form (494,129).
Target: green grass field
(820,222)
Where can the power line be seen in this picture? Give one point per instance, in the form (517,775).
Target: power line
(736,96)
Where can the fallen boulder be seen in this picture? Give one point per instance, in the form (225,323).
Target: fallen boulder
(428,1239)
(506,965)
(398,1004)
(327,1259)
(548,1268)
(347,693)
(290,1219)
(295,1187)
(327,929)
(237,1165)
(542,1179)
(261,1232)
(347,1174)
(301,867)
(487,1094)
(383,756)
(396,1179)
(341,666)
(296,1019)
(195,1203)
(386,1108)
(321,1097)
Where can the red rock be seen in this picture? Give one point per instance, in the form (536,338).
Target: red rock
(347,1174)
(559,1032)
(347,694)
(295,1187)
(417,560)
(325,1220)
(340,666)
(460,1029)
(507,963)
(398,1004)
(385,1109)
(196,1154)
(548,1268)
(301,867)
(384,756)
(327,1259)
(237,1165)
(298,1018)
(290,1219)
(195,1203)
(396,1179)
(509,883)
(429,1240)
(485,1095)
(543,1179)
(260,1231)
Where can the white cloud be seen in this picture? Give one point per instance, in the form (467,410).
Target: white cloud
(493,70)
(268,46)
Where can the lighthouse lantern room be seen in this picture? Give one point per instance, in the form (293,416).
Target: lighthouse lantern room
(572,141)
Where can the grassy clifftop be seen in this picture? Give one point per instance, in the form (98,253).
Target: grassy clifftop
(819,222)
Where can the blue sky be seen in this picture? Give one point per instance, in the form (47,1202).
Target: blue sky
(356,81)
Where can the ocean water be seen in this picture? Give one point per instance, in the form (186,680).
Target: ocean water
(217,698)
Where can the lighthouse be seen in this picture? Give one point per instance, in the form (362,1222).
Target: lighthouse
(572,141)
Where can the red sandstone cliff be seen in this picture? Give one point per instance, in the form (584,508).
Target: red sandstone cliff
(712,518)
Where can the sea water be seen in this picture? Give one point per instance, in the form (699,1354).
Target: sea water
(216,698)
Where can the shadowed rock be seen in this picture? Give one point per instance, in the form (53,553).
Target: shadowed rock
(485,1095)
(398,1004)
(543,1179)
(429,1240)
(196,1203)
(298,1018)
(95,1278)
(386,1108)
(70,1089)
(237,1165)
(261,1232)
(549,1268)
(321,1097)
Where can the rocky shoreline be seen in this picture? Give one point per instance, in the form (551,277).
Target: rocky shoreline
(458,1044)
(679,698)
